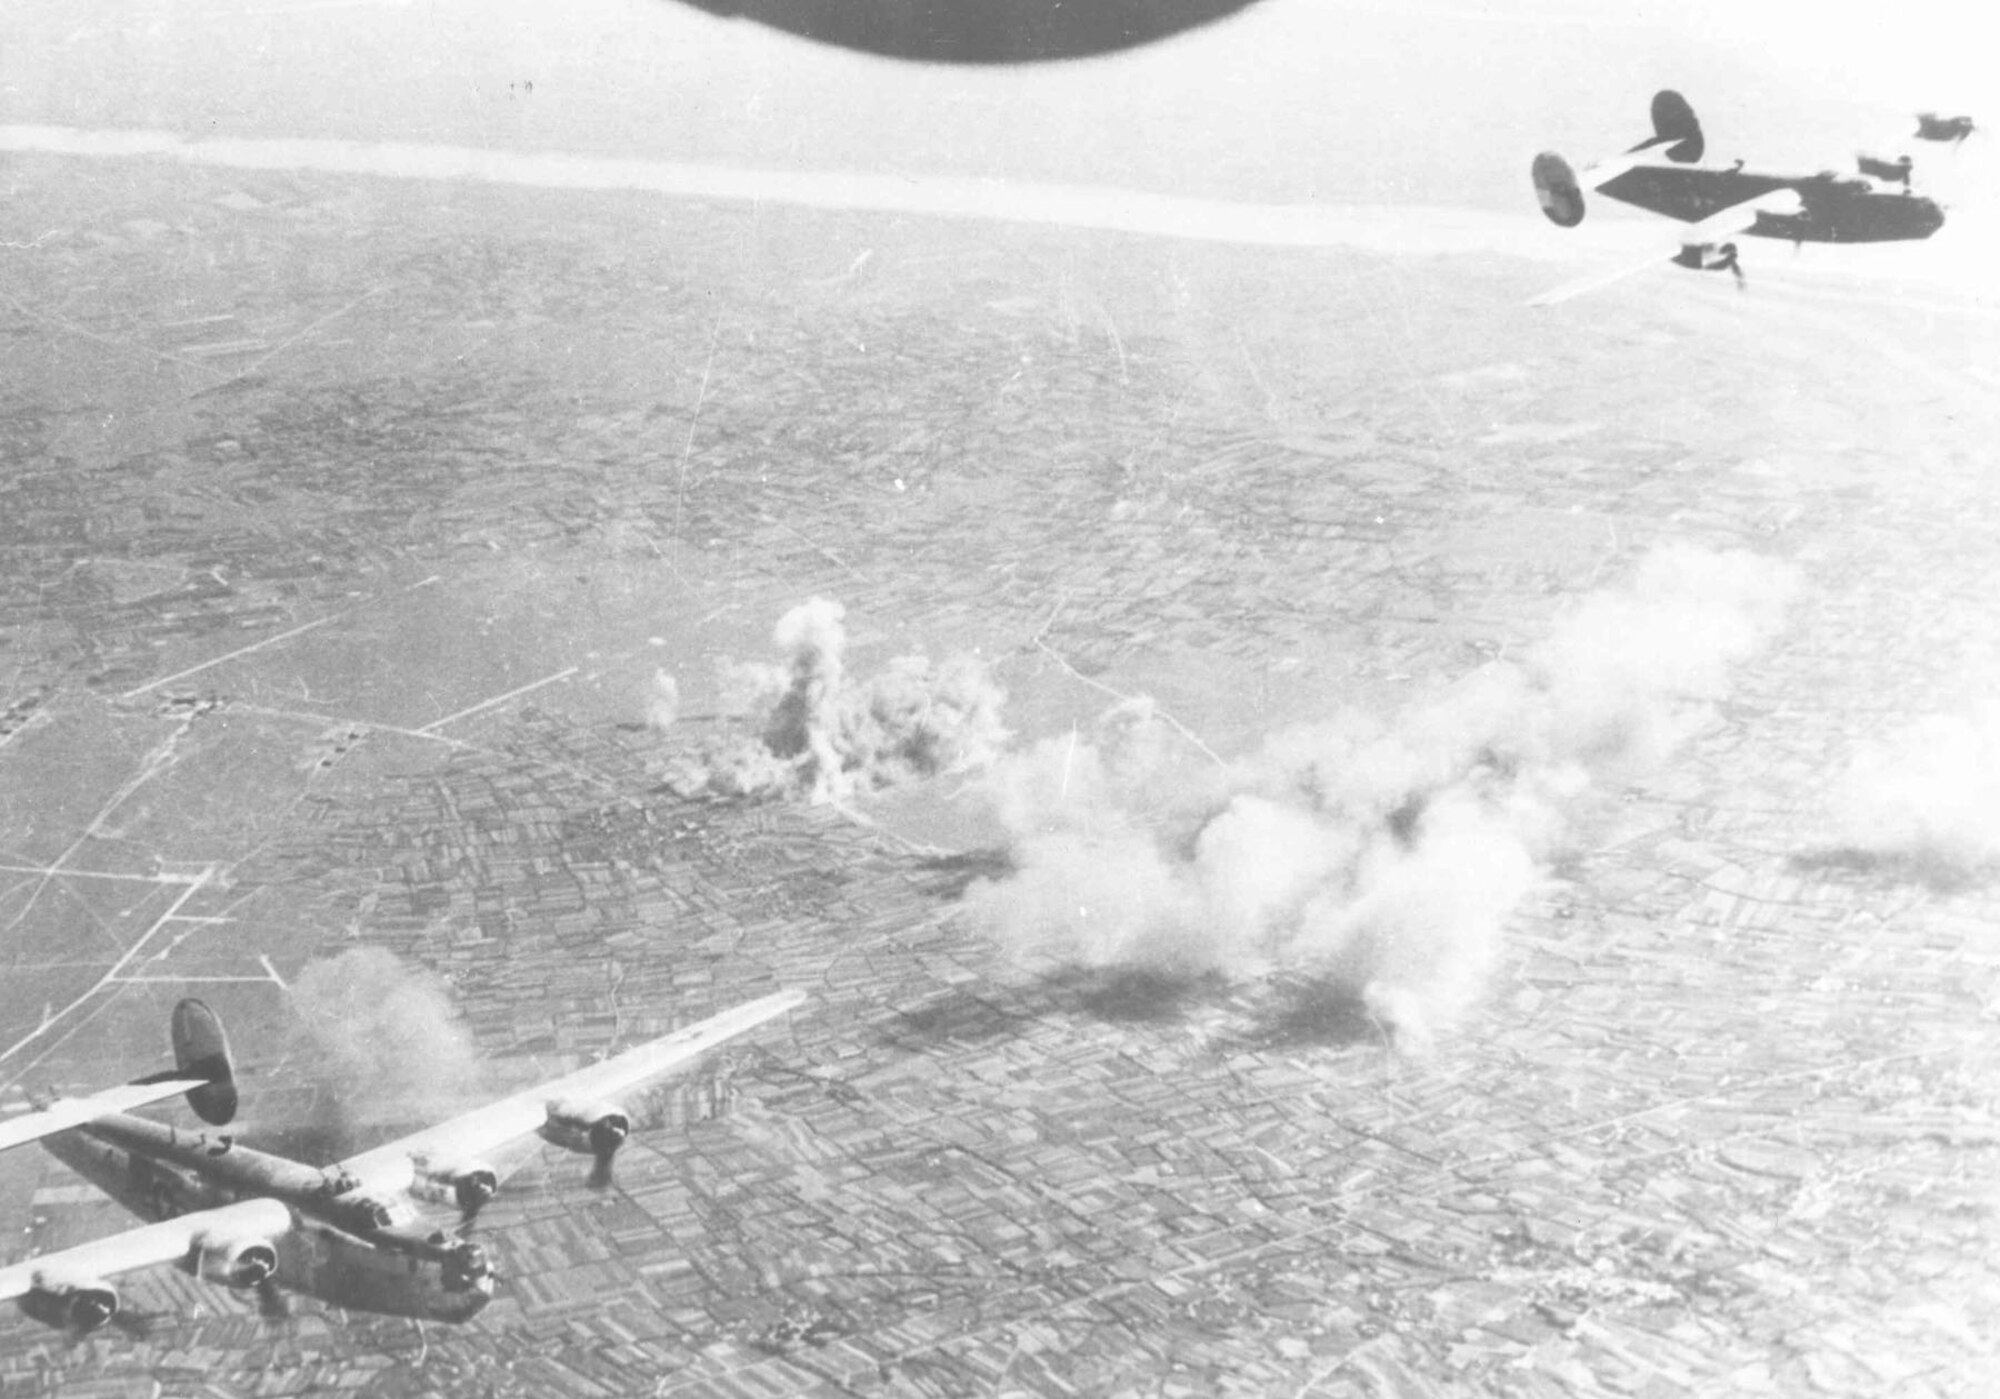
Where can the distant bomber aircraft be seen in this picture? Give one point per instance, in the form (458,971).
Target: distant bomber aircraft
(1664,175)
(1932,127)
(979,31)
(1896,171)
(355,1233)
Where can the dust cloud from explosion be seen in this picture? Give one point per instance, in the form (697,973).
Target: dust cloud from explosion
(386,1040)
(1928,797)
(1378,855)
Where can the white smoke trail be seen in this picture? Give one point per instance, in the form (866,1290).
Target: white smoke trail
(1380,857)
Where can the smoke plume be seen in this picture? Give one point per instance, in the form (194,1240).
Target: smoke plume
(386,1042)
(1380,856)
(663,705)
(1929,796)
(827,735)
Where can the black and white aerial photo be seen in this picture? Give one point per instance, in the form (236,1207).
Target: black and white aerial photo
(1138,699)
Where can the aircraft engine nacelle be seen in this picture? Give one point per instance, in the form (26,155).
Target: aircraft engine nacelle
(468,1186)
(1557,190)
(76,1304)
(589,1129)
(234,1261)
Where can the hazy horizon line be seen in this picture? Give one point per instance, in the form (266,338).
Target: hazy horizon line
(1410,229)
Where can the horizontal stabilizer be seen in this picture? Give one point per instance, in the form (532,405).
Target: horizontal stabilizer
(1605,171)
(65,1113)
(1676,137)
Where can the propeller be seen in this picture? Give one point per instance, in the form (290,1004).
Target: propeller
(606,1135)
(272,1304)
(84,1319)
(136,1324)
(79,1330)
(474,1190)
(1728,251)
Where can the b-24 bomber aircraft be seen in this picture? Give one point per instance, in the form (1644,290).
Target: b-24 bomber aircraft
(1664,174)
(358,1233)
(1932,127)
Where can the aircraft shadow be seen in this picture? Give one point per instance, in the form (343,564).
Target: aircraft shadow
(947,877)
(1305,1013)
(1930,871)
(1113,995)
(961,1018)
(1287,1014)
(1135,995)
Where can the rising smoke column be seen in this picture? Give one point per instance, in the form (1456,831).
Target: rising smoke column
(825,734)
(1929,795)
(663,703)
(387,1044)
(1378,855)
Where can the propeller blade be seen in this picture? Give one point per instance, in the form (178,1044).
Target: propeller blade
(272,1304)
(79,1331)
(473,1194)
(605,1139)
(137,1325)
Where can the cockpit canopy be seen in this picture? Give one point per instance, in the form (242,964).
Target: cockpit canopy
(465,1264)
(334,1181)
(359,1213)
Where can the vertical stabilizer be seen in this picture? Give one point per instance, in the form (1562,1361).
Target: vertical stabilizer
(201,1049)
(1676,130)
(1557,191)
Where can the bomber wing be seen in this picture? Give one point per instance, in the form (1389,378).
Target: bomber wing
(61,1114)
(169,1241)
(1737,218)
(1688,193)
(487,1135)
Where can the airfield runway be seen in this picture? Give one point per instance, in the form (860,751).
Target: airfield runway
(349,522)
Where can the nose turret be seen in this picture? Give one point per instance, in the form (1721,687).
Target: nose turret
(465,1266)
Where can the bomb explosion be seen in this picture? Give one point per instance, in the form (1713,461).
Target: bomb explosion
(1927,797)
(1381,856)
(824,734)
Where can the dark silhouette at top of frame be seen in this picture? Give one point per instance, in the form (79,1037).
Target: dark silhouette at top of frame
(979,31)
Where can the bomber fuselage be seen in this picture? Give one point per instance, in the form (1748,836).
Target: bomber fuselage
(1832,209)
(343,1247)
